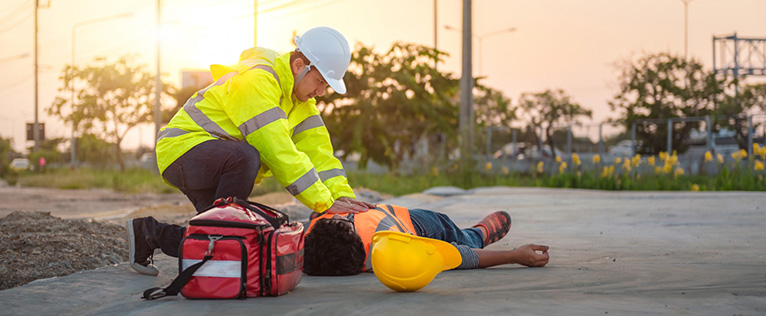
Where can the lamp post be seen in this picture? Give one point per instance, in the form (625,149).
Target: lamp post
(686,27)
(71,80)
(480,39)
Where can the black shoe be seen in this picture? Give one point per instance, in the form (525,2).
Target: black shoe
(139,250)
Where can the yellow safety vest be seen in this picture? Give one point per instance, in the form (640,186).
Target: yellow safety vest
(252,102)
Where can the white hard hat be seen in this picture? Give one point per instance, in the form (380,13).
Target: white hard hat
(328,51)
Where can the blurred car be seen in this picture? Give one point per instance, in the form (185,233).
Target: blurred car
(19,164)
(508,152)
(535,153)
(623,148)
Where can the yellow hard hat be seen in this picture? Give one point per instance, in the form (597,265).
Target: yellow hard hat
(404,262)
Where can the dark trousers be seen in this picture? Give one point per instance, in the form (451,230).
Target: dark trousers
(211,170)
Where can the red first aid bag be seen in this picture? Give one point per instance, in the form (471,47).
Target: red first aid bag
(237,249)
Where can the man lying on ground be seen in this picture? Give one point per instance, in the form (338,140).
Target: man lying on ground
(339,244)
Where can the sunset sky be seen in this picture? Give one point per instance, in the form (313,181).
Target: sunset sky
(567,44)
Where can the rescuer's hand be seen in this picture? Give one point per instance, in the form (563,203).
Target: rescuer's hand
(341,206)
(357,202)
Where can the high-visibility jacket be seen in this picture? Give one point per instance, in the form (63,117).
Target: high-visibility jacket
(383,217)
(252,101)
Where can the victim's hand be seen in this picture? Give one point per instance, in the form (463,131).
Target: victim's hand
(528,255)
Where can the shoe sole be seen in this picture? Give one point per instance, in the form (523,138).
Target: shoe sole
(150,269)
(510,224)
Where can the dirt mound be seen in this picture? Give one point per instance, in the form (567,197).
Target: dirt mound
(37,245)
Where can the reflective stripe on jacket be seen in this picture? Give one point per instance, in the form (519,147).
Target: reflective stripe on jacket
(252,102)
(383,217)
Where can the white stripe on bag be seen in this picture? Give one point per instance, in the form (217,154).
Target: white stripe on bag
(216,268)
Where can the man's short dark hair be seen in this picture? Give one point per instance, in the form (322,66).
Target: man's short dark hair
(297,54)
(333,248)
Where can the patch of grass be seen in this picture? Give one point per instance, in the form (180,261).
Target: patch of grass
(131,181)
(632,175)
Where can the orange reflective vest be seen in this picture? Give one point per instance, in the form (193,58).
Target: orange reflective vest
(383,217)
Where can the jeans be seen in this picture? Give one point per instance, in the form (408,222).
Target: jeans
(215,169)
(439,226)
(211,170)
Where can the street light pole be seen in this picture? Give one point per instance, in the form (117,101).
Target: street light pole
(71,74)
(686,27)
(157,79)
(466,88)
(35,127)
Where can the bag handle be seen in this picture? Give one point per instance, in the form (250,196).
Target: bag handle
(276,219)
(177,284)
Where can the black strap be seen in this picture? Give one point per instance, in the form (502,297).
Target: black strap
(175,287)
(277,219)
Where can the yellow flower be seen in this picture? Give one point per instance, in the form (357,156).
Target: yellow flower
(540,167)
(758,166)
(558,159)
(719,158)
(672,160)
(605,172)
(636,160)
(678,172)
(695,187)
(667,168)
(562,167)
(611,170)
(708,156)
(617,160)
(626,165)
(756,148)
(505,170)
(762,152)
(743,153)
(650,160)
(576,159)
(435,171)
(597,158)
(488,166)
(735,155)
(657,170)
(663,155)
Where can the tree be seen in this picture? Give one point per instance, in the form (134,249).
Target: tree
(661,86)
(50,150)
(7,154)
(393,101)
(550,108)
(751,98)
(111,99)
(94,151)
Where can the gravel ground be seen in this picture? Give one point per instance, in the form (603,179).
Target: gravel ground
(37,245)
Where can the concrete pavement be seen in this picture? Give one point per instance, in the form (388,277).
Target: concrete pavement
(615,253)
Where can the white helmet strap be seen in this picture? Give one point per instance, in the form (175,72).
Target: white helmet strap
(301,75)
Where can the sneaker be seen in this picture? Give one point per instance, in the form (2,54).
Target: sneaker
(495,225)
(139,250)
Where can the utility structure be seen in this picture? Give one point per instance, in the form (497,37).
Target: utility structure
(740,57)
